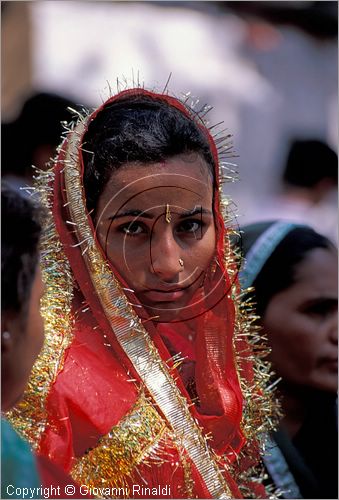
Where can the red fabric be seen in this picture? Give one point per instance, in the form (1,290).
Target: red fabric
(93,392)
(59,484)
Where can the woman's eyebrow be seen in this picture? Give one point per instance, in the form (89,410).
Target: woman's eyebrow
(195,211)
(323,300)
(133,213)
(148,215)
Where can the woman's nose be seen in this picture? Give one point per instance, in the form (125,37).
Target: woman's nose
(166,257)
(333,327)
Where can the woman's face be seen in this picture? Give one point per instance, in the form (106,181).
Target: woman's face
(155,222)
(20,351)
(301,324)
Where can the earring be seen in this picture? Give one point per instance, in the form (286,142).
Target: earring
(6,335)
(181,262)
(210,271)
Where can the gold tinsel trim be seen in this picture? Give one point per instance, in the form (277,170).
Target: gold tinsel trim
(261,410)
(29,417)
(136,439)
(142,437)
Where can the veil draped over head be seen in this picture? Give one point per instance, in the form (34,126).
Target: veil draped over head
(106,399)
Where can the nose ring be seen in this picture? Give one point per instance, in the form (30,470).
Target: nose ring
(181,262)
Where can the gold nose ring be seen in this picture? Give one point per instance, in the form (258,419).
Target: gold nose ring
(181,262)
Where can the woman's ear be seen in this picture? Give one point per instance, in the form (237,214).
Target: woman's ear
(9,358)
(7,340)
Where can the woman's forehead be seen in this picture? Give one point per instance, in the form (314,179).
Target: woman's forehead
(173,181)
(319,268)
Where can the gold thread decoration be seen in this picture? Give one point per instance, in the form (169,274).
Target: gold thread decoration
(29,417)
(135,440)
(262,408)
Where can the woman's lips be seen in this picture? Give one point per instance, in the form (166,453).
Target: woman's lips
(162,296)
(332,364)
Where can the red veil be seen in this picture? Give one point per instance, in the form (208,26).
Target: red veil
(113,408)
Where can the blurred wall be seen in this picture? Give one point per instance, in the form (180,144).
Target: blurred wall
(16,56)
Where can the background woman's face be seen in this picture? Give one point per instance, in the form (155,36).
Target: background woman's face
(301,324)
(27,336)
(155,222)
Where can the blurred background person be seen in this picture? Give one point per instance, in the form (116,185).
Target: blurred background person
(22,335)
(309,188)
(294,273)
(270,68)
(311,171)
(21,328)
(32,138)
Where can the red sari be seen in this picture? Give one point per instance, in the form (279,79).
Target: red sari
(108,399)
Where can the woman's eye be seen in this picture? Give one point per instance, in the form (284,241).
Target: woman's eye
(190,226)
(322,308)
(132,229)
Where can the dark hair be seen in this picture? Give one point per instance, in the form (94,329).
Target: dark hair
(38,124)
(279,270)
(20,233)
(138,128)
(309,162)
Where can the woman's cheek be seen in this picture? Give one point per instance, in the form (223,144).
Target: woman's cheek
(206,250)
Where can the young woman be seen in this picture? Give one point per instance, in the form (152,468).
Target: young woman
(142,393)
(295,275)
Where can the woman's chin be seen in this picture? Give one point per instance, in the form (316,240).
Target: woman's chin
(185,307)
(167,313)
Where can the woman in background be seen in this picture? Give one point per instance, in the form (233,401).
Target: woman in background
(22,336)
(146,384)
(294,273)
